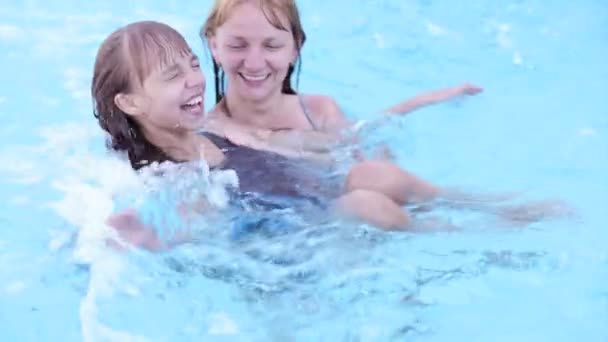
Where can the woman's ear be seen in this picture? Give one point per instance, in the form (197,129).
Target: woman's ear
(213,46)
(128,104)
(295,56)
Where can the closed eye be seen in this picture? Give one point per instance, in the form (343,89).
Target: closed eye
(195,63)
(173,75)
(274,47)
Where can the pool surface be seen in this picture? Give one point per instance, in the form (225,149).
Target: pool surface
(540,128)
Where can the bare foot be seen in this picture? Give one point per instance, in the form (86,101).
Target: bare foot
(537,211)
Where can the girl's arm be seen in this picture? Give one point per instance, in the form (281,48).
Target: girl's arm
(132,230)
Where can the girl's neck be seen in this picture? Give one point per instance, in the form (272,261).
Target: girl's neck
(257,113)
(176,143)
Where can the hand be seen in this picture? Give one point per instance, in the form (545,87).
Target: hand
(469,89)
(245,136)
(133,231)
(236,133)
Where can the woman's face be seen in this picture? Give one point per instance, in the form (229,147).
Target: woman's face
(254,54)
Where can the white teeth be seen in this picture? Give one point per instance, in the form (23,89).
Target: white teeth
(254,78)
(195,101)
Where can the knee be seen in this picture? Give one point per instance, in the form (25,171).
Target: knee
(374,208)
(370,172)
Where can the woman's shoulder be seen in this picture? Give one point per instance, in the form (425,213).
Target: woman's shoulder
(320,103)
(323,109)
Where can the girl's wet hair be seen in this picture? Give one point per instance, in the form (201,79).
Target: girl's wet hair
(124,60)
(272,9)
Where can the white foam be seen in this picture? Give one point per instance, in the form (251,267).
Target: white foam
(20,200)
(503,36)
(59,239)
(68,142)
(217,194)
(11,32)
(17,170)
(87,207)
(76,82)
(132,290)
(435,29)
(517,58)
(48,101)
(15,287)
(587,131)
(222,324)
(174,21)
(315,20)
(89,185)
(504,41)
(504,28)
(379,41)
(56,42)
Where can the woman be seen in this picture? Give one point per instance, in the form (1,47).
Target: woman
(256,46)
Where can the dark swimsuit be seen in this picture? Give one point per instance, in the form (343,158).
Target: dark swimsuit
(270,181)
(269,173)
(275,176)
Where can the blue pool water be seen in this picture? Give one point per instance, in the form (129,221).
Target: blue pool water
(540,126)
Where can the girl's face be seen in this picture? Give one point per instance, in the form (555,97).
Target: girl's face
(254,54)
(170,97)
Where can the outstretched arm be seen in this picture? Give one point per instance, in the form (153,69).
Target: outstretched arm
(291,143)
(433,97)
(135,232)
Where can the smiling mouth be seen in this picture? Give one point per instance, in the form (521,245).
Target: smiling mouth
(194,106)
(254,78)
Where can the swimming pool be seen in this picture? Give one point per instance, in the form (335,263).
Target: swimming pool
(540,126)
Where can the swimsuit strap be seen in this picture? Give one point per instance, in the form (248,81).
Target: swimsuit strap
(221,142)
(306,113)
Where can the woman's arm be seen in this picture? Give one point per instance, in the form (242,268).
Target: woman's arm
(433,97)
(291,143)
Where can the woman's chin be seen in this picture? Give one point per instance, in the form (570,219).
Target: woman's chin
(253,94)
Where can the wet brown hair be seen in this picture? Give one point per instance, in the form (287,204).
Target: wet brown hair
(124,60)
(272,9)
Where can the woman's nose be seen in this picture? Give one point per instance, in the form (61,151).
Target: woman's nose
(254,60)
